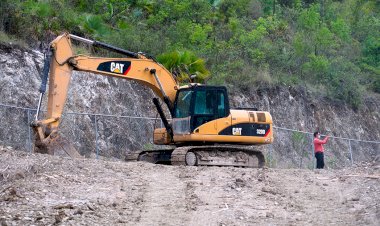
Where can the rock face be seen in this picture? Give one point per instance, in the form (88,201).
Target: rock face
(89,93)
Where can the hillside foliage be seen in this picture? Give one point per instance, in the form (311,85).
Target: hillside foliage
(331,46)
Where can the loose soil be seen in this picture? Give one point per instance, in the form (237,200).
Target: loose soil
(37,189)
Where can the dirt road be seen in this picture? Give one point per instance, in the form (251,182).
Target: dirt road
(48,190)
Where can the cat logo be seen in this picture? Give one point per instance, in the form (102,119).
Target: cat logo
(236,131)
(117,67)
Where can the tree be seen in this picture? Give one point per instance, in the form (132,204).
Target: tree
(184,65)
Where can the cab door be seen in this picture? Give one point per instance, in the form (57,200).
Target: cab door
(204,112)
(211,110)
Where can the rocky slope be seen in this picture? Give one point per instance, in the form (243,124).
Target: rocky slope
(290,108)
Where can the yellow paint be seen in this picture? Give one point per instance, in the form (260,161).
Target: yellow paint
(225,138)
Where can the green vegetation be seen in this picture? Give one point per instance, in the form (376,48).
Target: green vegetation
(329,45)
(6,38)
(148,146)
(185,64)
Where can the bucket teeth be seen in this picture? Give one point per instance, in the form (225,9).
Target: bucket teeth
(56,145)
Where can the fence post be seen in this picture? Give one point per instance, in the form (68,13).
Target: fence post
(302,151)
(29,133)
(349,144)
(312,150)
(96,138)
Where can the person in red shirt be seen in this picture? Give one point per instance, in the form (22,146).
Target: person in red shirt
(318,149)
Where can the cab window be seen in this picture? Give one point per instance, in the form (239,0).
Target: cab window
(221,111)
(204,102)
(183,104)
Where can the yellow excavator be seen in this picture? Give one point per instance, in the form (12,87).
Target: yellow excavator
(203,130)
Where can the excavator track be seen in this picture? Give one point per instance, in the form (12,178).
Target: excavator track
(152,156)
(217,155)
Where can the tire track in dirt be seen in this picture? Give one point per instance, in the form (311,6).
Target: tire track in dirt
(165,198)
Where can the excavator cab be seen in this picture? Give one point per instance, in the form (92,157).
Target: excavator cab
(194,105)
(197,105)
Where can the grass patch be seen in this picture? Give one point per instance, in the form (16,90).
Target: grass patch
(81,50)
(6,38)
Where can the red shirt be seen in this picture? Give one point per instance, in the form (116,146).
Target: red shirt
(318,144)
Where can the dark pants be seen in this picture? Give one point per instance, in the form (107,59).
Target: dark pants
(320,161)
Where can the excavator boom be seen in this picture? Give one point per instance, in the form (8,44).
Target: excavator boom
(61,61)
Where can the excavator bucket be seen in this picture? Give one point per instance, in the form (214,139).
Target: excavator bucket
(56,144)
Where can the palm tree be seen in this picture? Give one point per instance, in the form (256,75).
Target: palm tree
(184,65)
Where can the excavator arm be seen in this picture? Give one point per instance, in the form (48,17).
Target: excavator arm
(61,61)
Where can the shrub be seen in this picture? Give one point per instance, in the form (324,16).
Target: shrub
(183,65)
(344,84)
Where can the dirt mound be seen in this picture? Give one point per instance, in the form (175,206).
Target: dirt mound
(44,190)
